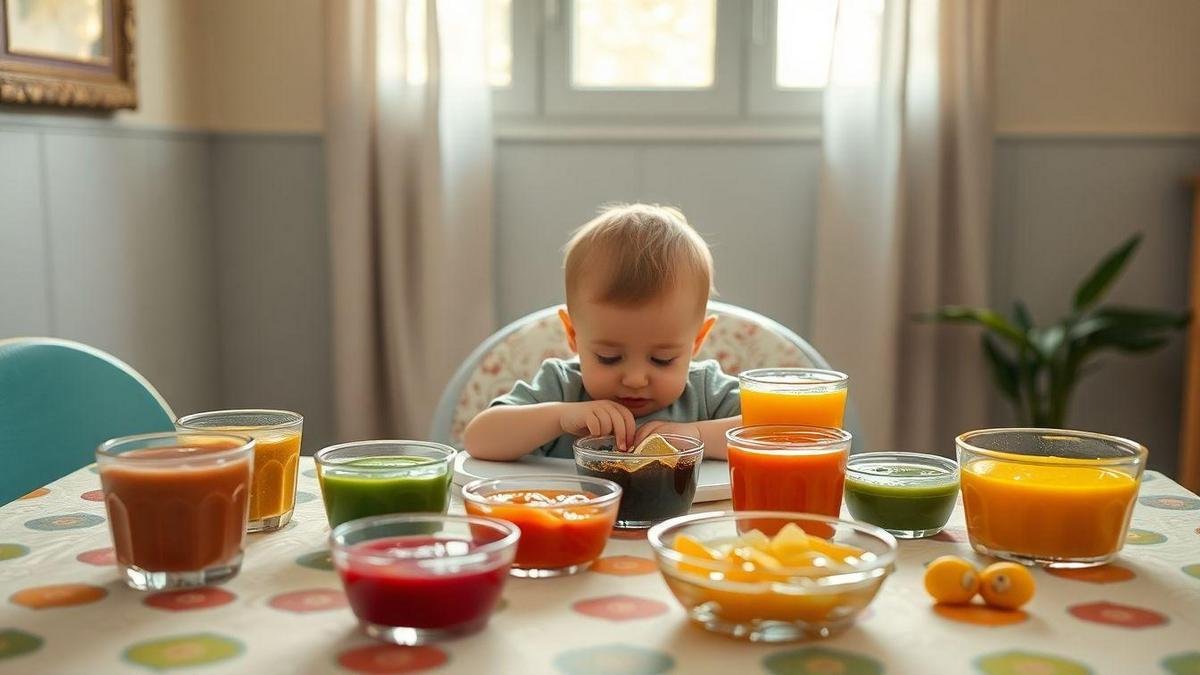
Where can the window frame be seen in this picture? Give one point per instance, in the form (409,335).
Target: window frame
(743,94)
(763,97)
(722,99)
(521,96)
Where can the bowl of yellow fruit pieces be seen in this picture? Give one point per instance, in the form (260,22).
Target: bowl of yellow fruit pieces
(772,576)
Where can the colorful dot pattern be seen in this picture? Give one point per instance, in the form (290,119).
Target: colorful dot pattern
(385,658)
(184,651)
(820,660)
(1028,663)
(68,610)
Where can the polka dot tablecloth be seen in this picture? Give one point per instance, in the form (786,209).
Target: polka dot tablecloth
(65,610)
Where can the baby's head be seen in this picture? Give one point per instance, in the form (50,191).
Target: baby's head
(638,279)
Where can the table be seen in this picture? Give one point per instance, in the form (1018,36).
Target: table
(66,612)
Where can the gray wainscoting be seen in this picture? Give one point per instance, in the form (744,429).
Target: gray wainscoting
(198,259)
(110,244)
(755,203)
(272,252)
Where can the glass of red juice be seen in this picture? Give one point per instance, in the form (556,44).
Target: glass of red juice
(416,578)
(177,506)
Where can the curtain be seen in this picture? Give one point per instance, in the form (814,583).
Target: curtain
(903,221)
(409,161)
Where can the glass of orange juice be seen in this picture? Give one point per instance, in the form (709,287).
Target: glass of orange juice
(1049,496)
(806,396)
(276,458)
(778,467)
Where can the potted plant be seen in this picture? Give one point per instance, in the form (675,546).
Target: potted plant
(1036,368)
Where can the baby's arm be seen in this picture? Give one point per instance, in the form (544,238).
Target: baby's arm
(508,432)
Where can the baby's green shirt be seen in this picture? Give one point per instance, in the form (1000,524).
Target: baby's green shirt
(709,394)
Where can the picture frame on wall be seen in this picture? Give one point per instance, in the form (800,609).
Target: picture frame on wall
(68,53)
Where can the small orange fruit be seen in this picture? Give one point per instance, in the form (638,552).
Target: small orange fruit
(1006,585)
(951,580)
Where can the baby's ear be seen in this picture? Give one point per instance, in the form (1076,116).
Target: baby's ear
(569,328)
(705,329)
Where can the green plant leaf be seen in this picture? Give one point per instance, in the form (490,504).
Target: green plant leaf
(1004,370)
(1126,321)
(1021,316)
(1105,273)
(1047,341)
(1128,341)
(983,317)
(1145,318)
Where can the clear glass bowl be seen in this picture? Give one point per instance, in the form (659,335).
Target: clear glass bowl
(909,494)
(414,578)
(655,487)
(795,603)
(372,478)
(1050,497)
(559,535)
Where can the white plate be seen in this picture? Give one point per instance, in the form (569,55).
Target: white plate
(713,485)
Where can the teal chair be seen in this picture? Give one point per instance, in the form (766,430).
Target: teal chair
(58,401)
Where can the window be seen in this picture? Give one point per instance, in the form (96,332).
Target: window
(791,42)
(637,44)
(803,42)
(499,27)
(714,60)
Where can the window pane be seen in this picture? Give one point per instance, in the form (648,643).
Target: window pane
(803,43)
(643,43)
(499,47)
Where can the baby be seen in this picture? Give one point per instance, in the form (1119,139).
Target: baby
(638,279)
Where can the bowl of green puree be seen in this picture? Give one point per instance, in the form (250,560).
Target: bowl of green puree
(371,478)
(909,494)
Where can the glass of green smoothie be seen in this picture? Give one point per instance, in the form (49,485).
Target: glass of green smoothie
(909,494)
(371,478)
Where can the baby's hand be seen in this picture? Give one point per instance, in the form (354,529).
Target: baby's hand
(690,429)
(599,418)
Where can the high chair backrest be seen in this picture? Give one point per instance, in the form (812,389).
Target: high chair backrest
(741,340)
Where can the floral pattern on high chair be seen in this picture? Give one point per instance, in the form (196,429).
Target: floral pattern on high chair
(737,342)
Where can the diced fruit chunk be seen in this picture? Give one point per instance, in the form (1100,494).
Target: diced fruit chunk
(690,546)
(756,539)
(755,557)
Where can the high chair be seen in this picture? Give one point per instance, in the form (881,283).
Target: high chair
(741,340)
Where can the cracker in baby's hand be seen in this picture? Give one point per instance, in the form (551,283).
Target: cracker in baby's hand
(655,445)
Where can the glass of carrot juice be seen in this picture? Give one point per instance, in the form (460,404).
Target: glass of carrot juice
(1049,496)
(778,467)
(276,458)
(807,396)
(176,506)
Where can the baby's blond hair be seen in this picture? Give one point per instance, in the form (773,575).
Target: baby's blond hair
(636,252)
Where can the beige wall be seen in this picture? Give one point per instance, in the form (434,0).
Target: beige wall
(1098,66)
(230,65)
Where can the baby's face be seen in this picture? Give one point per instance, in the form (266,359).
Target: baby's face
(637,356)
